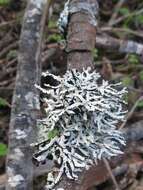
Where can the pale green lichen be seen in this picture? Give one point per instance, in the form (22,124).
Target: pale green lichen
(84,110)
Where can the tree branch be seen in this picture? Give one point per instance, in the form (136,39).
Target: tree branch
(81,39)
(81,36)
(123,46)
(25,106)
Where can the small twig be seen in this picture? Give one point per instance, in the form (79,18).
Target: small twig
(8,48)
(6,82)
(135,13)
(111,173)
(115,12)
(123,46)
(9,23)
(131,112)
(6,40)
(12,63)
(125,30)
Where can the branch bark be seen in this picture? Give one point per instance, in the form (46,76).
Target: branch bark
(25,106)
(123,46)
(81,40)
(81,37)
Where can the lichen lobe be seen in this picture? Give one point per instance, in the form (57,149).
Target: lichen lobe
(80,124)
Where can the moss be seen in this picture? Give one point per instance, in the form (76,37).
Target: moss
(3,149)
(52,24)
(140,104)
(95,54)
(53,134)
(54,38)
(127,81)
(124,11)
(4,2)
(133,59)
(3,103)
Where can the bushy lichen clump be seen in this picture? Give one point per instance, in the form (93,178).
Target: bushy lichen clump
(80,124)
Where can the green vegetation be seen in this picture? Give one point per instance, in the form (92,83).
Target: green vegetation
(3,103)
(124,11)
(139,19)
(11,55)
(127,81)
(95,54)
(3,149)
(133,59)
(52,134)
(54,38)
(126,98)
(52,24)
(140,104)
(4,2)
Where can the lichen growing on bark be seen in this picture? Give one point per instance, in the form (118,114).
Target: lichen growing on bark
(70,8)
(81,120)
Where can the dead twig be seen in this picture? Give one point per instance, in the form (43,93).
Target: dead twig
(123,30)
(115,12)
(111,173)
(120,19)
(129,115)
(11,46)
(123,46)
(9,23)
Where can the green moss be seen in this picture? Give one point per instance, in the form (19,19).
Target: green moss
(54,38)
(140,104)
(3,103)
(127,81)
(4,2)
(133,59)
(52,134)
(124,11)
(95,54)
(52,24)
(3,149)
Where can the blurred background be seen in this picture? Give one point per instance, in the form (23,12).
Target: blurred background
(119,22)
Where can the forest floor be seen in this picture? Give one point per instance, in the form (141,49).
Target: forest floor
(123,21)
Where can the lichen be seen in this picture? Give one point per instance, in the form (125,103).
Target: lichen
(84,110)
(20,134)
(91,9)
(64,17)
(13,179)
(38,3)
(17,154)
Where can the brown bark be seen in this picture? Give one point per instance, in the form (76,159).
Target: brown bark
(81,38)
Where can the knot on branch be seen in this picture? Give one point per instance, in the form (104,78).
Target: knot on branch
(71,7)
(80,124)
